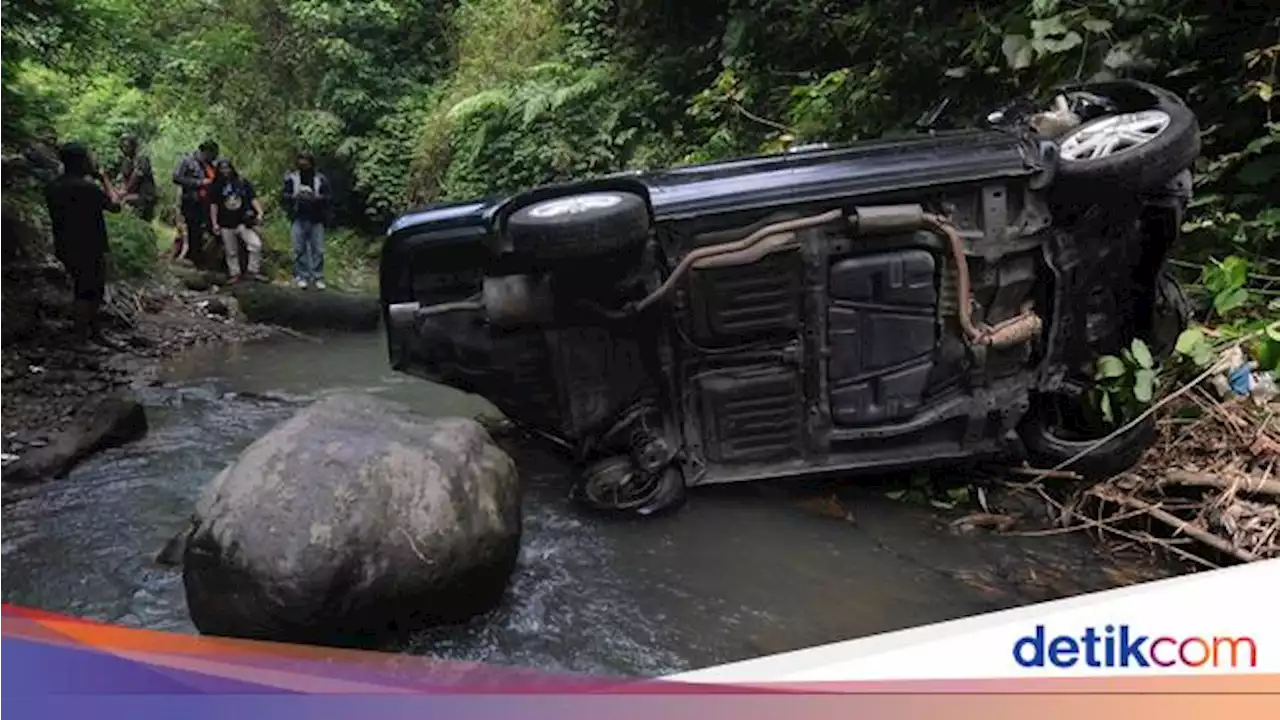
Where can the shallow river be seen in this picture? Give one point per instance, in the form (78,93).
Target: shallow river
(734,574)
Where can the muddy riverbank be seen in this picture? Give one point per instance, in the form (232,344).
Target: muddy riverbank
(48,373)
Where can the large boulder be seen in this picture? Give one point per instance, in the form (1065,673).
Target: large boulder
(352,521)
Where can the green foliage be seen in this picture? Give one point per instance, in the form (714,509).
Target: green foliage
(496,42)
(408,101)
(1124,386)
(134,246)
(1195,347)
(551,123)
(1225,280)
(922,488)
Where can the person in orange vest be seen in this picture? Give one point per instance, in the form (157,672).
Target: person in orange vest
(195,175)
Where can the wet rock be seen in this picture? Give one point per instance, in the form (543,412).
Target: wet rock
(352,521)
(171,553)
(307,309)
(217,307)
(197,280)
(101,423)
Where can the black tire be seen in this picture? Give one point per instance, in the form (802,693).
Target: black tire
(602,223)
(615,487)
(1048,447)
(1142,168)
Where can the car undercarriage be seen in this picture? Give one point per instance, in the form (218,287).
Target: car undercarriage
(933,300)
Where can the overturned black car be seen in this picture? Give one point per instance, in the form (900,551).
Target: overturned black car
(933,300)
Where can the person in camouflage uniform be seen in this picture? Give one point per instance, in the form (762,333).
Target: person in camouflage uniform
(135,178)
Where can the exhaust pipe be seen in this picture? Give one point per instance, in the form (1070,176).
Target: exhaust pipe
(401,316)
(404,316)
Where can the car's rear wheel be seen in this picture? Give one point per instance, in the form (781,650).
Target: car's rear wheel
(615,486)
(1137,151)
(1054,433)
(578,227)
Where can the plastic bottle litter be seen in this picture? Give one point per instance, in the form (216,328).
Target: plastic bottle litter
(1264,388)
(1240,378)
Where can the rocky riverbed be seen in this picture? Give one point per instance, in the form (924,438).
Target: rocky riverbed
(48,373)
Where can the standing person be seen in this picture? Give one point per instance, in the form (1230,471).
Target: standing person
(180,244)
(76,205)
(306,200)
(234,212)
(137,182)
(195,174)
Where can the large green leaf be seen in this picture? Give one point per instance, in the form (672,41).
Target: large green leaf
(1236,270)
(1202,355)
(1054,46)
(1189,340)
(1230,300)
(1144,385)
(1017,50)
(1141,353)
(1096,25)
(1048,27)
(1109,366)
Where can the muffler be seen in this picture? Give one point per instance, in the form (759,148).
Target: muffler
(507,301)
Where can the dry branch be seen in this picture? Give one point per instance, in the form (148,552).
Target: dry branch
(1248,484)
(1182,526)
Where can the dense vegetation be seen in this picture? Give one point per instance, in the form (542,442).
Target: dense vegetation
(411,101)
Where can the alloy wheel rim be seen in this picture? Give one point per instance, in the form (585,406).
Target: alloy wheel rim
(574,205)
(1113,135)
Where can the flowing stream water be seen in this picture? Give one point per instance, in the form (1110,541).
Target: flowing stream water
(734,574)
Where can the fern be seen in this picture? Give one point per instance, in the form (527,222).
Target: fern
(482,102)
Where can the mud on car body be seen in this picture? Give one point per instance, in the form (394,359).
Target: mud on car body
(937,299)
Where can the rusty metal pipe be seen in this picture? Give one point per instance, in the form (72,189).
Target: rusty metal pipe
(1015,330)
(964,289)
(869,220)
(702,253)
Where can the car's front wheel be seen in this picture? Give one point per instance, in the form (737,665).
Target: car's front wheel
(1136,151)
(579,227)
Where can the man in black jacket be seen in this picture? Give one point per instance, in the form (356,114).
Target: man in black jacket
(195,174)
(76,202)
(306,201)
